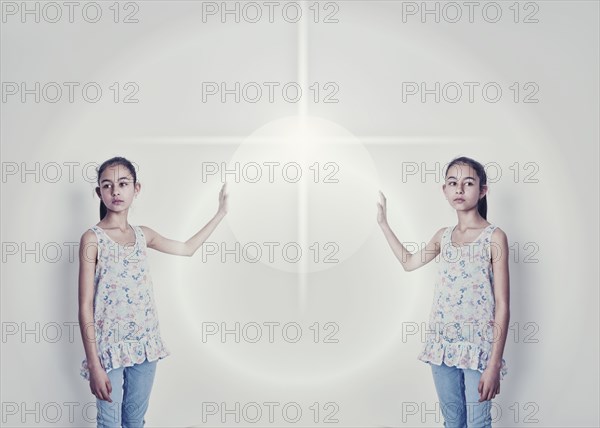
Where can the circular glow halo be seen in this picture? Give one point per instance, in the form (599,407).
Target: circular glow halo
(299,180)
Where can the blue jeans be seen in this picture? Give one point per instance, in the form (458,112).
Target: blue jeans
(130,396)
(459,398)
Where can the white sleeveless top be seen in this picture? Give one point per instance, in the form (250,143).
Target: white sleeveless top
(125,316)
(461,325)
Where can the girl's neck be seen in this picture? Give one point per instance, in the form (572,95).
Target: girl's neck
(114,220)
(470,220)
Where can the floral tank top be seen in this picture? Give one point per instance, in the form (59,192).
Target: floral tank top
(125,316)
(461,325)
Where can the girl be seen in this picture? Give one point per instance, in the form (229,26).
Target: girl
(117,314)
(470,312)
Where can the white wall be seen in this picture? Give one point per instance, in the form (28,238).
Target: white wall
(371,376)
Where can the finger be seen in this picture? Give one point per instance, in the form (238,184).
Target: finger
(380,205)
(483,395)
(103,395)
(100,394)
(489,394)
(108,391)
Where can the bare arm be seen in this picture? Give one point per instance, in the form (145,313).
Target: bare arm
(408,260)
(88,251)
(188,248)
(490,381)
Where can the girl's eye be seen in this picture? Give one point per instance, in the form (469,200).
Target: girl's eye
(124,183)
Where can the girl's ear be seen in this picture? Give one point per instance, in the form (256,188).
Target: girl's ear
(98,192)
(138,188)
(484,190)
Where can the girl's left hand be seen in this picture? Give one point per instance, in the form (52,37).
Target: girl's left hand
(489,384)
(223,206)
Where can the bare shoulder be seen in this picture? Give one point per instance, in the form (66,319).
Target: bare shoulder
(88,247)
(146,230)
(89,237)
(498,236)
(435,244)
(499,247)
(148,233)
(437,238)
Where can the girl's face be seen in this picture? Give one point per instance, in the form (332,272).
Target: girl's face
(462,187)
(117,190)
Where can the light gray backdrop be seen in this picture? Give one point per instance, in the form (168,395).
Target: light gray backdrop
(261,335)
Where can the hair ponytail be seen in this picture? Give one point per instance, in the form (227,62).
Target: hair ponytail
(480,170)
(482,207)
(102,209)
(117,160)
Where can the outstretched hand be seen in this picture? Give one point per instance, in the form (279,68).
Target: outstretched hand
(223,205)
(382,209)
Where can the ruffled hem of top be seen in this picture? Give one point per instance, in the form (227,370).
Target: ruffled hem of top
(126,354)
(463,355)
